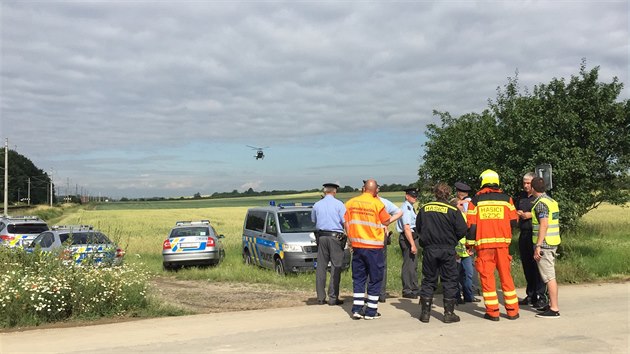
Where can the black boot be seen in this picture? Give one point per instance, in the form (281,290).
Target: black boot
(426,303)
(449,311)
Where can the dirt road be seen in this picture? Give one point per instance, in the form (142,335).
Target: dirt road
(594,319)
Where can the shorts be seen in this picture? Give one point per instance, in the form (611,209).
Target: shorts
(546,264)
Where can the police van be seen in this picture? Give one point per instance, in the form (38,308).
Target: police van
(282,237)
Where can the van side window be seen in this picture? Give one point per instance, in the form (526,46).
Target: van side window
(271,224)
(256,221)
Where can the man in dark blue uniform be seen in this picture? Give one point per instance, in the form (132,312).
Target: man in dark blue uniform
(440,226)
(328,216)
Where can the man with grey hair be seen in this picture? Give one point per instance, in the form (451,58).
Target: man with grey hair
(535,290)
(328,216)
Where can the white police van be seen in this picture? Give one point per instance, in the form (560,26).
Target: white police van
(282,238)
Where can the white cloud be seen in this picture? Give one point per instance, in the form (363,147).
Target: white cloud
(80,79)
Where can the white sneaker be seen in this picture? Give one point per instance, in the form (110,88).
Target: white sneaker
(375,317)
(357,316)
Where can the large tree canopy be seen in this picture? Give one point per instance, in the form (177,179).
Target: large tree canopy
(579,127)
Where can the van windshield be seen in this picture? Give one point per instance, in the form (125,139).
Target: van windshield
(296,221)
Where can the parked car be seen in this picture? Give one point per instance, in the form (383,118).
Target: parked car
(282,237)
(20,231)
(80,244)
(192,243)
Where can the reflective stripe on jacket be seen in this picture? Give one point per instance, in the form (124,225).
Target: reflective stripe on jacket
(440,224)
(552,238)
(491,216)
(365,215)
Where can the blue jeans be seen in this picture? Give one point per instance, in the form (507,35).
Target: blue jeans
(465,268)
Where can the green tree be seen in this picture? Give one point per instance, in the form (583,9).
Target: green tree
(21,169)
(579,127)
(346,189)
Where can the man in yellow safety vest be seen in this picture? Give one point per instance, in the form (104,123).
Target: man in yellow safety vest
(546,238)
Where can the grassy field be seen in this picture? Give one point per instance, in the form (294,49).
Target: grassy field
(396,197)
(141,227)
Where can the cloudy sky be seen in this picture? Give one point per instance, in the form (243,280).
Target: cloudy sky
(161,98)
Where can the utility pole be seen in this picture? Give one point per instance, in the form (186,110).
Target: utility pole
(6,176)
(29,191)
(51,187)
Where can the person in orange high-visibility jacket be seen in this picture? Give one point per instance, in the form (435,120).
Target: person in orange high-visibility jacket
(491,217)
(364,220)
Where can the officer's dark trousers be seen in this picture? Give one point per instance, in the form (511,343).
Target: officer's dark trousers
(439,261)
(367,262)
(535,287)
(329,248)
(409,270)
(383,293)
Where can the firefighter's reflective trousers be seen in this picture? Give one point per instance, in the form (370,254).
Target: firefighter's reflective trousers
(489,259)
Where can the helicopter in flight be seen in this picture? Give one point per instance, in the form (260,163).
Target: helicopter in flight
(259,151)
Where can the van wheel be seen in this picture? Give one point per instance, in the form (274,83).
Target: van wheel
(278,266)
(247,258)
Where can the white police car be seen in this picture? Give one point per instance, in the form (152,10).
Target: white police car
(80,244)
(20,231)
(192,243)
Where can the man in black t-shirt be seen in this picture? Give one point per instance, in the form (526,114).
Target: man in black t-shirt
(536,290)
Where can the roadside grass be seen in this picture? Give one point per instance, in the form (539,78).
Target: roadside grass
(599,248)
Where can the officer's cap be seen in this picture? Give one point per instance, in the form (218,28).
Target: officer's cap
(331,185)
(412,192)
(462,187)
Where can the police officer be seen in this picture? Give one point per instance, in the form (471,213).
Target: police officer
(465,266)
(328,216)
(409,245)
(395,214)
(440,226)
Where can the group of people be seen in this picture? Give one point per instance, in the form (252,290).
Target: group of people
(450,233)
